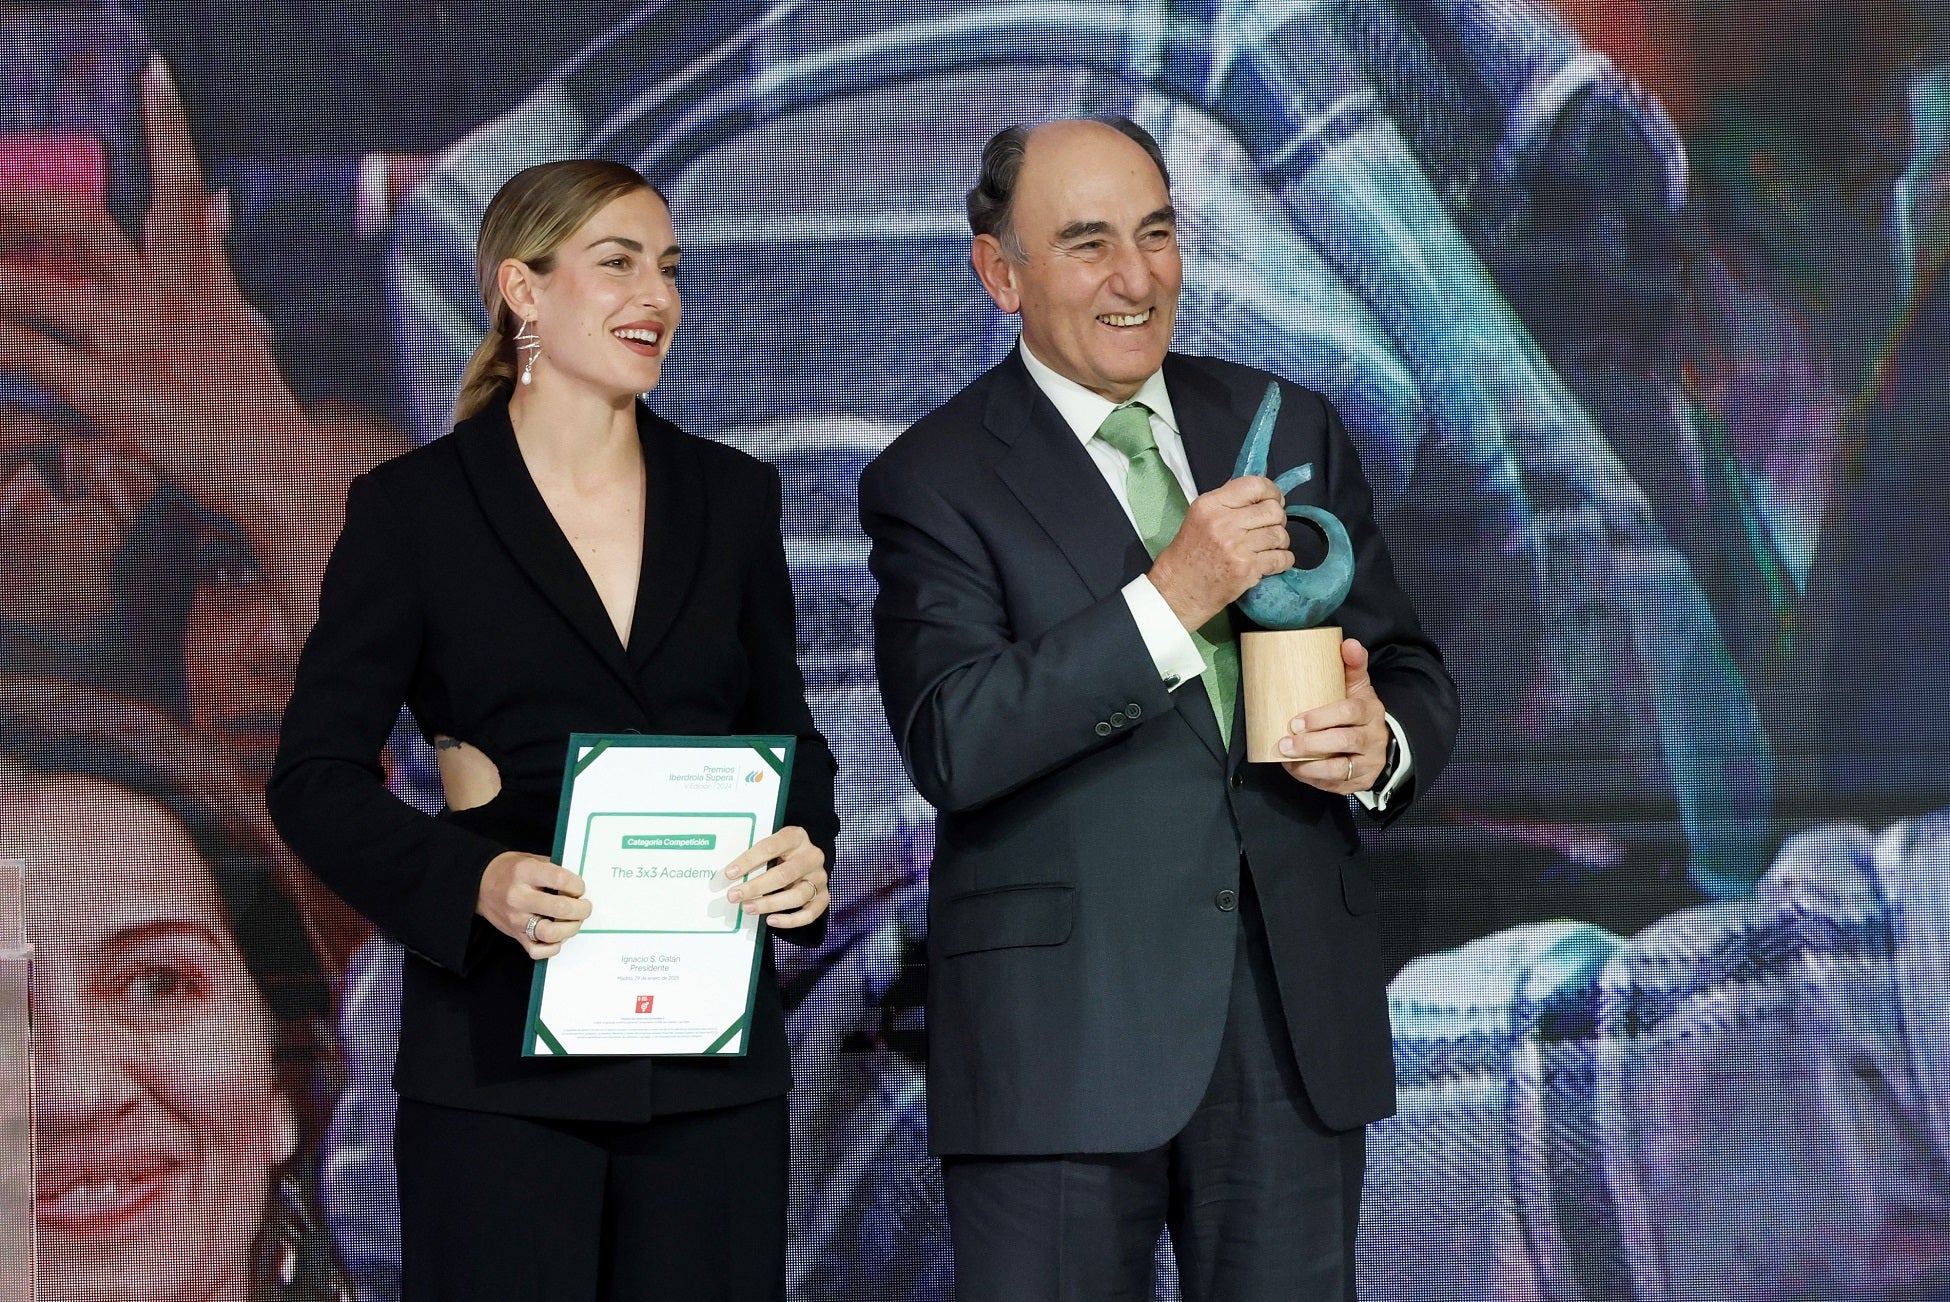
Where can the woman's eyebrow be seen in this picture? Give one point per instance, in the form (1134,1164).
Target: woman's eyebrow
(634,246)
(126,938)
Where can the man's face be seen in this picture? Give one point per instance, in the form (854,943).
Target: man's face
(1098,288)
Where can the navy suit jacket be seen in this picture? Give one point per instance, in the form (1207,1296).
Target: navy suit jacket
(453,591)
(1082,912)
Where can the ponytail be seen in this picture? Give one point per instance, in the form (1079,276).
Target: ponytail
(490,372)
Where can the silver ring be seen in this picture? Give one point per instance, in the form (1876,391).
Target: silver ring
(1348,778)
(534,921)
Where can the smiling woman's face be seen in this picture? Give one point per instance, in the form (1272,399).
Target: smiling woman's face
(607,312)
(158,1118)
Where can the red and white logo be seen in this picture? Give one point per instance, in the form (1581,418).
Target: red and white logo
(643,1002)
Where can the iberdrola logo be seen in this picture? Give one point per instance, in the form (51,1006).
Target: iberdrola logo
(755,777)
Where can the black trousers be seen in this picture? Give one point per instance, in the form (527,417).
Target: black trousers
(1261,1199)
(686,1208)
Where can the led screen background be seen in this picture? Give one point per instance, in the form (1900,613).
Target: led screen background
(1632,310)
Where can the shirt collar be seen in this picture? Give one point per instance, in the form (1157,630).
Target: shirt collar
(1084,411)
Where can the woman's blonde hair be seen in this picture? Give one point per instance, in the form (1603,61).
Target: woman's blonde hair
(528,219)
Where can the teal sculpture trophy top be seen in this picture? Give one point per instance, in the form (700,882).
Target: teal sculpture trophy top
(1298,598)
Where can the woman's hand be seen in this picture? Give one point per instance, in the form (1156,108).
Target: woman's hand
(149,338)
(63,522)
(154,344)
(792,891)
(518,887)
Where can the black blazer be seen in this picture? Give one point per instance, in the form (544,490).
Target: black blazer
(1082,911)
(453,591)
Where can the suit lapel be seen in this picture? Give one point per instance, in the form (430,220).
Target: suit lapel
(674,522)
(1210,428)
(1057,482)
(520,517)
(1212,432)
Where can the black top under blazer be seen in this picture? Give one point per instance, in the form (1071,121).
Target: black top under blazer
(1083,916)
(452,590)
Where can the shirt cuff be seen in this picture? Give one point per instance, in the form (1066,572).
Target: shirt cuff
(1377,801)
(1169,642)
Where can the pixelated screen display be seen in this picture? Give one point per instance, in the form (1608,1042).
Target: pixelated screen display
(1633,312)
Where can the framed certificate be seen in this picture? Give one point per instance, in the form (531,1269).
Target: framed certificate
(665,964)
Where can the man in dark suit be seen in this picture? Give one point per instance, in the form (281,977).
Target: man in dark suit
(1156,986)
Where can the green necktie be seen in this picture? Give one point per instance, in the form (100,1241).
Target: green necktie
(1158,504)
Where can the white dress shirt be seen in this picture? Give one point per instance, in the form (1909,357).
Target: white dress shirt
(1167,639)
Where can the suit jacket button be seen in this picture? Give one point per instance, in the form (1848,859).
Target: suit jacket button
(1227,901)
(1103,729)
(1116,718)
(1238,779)
(1134,711)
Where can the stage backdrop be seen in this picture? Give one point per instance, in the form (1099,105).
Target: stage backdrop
(1632,308)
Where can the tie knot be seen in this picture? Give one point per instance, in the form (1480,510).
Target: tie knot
(1128,429)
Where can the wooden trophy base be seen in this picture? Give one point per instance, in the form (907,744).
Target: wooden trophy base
(1284,674)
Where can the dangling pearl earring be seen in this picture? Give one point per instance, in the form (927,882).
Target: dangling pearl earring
(528,340)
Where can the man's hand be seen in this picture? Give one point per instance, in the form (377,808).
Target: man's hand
(1340,747)
(1232,537)
(518,887)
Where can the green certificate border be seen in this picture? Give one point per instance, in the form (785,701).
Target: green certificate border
(534,1032)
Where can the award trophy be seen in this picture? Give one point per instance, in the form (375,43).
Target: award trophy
(1294,663)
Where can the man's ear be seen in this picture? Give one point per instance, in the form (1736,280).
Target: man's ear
(518,285)
(996,271)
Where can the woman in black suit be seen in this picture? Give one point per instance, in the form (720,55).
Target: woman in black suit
(563,561)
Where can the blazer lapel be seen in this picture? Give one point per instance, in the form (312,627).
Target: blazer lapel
(674,521)
(1210,428)
(516,512)
(1212,431)
(1055,479)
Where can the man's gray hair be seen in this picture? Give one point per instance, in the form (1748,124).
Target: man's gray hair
(991,201)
